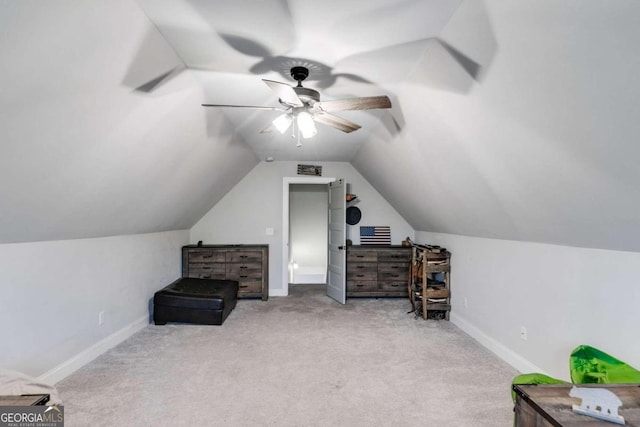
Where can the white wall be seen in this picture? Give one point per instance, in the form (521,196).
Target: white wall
(255,203)
(53,291)
(308,231)
(564,296)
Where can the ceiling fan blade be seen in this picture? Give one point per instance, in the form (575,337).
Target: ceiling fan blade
(337,122)
(364,103)
(254,107)
(285,93)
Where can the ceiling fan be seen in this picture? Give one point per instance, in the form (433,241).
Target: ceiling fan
(301,106)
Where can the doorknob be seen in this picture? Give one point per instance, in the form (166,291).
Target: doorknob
(341,248)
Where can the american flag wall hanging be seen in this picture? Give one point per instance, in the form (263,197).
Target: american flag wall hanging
(375,235)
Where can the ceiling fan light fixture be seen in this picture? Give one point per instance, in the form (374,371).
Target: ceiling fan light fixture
(306,125)
(302,108)
(282,122)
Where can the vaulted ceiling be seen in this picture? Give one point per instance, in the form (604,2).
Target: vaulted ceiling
(511,120)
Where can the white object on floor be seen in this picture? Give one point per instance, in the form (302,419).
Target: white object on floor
(594,398)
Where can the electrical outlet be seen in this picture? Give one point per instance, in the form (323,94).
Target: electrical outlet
(523,333)
(465,302)
(269,231)
(101,318)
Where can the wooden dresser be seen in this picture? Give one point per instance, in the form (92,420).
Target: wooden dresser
(378,271)
(248,264)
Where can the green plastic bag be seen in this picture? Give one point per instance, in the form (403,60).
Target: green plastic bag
(533,379)
(589,365)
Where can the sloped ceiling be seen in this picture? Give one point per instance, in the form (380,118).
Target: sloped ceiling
(513,120)
(543,148)
(85,155)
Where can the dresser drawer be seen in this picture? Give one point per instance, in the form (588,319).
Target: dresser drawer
(244,257)
(354,267)
(244,271)
(388,255)
(362,256)
(200,268)
(396,267)
(207,275)
(249,287)
(361,285)
(393,272)
(394,276)
(208,256)
(362,275)
(396,286)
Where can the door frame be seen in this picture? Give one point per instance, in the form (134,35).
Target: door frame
(286,182)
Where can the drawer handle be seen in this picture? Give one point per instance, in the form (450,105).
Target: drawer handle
(395,285)
(244,286)
(206,267)
(359,275)
(243,277)
(395,266)
(243,266)
(206,276)
(360,266)
(360,256)
(359,286)
(207,255)
(244,256)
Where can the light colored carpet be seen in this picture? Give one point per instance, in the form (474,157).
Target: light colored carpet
(301,360)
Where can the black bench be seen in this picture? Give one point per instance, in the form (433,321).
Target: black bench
(190,300)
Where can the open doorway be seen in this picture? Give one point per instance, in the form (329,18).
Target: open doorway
(310,263)
(308,233)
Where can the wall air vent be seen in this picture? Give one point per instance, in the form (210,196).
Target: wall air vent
(310,170)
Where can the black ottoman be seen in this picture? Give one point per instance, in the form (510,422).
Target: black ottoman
(189,300)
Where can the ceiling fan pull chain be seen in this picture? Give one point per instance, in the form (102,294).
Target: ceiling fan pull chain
(293,126)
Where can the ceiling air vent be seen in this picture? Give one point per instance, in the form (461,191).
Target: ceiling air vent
(310,170)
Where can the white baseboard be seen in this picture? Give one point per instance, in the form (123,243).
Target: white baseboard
(503,352)
(68,367)
(277,293)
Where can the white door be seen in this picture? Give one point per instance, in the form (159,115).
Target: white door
(336,283)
